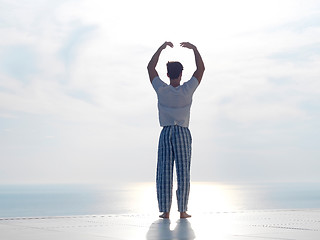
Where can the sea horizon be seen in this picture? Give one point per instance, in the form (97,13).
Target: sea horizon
(45,200)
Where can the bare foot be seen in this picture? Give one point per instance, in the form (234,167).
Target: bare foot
(184,215)
(164,215)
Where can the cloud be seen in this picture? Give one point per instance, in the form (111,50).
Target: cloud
(75,39)
(300,55)
(74,88)
(18,61)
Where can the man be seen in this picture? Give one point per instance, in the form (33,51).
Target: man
(174,102)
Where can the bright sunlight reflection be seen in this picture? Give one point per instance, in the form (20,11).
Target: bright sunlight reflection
(211,197)
(209,204)
(204,197)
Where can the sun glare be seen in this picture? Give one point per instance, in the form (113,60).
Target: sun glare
(204,197)
(211,197)
(207,200)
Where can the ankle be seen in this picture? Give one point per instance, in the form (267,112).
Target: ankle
(184,215)
(165,215)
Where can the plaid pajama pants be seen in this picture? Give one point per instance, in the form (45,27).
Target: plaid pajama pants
(174,146)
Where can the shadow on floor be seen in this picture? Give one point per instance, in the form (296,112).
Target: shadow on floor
(160,229)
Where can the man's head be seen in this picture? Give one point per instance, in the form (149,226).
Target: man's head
(174,69)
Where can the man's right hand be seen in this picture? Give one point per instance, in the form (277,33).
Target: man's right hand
(199,63)
(188,45)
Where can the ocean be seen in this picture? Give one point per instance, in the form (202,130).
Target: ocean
(140,198)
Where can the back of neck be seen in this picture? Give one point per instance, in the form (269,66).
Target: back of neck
(175,82)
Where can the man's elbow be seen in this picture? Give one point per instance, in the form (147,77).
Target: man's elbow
(201,68)
(149,67)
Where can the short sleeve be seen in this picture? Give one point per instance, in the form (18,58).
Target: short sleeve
(157,83)
(191,85)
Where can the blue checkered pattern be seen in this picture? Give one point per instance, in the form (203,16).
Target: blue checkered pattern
(174,146)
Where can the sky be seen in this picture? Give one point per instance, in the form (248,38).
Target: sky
(77,106)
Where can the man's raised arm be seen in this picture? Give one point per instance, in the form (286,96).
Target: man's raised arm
(199,63)
(154,60)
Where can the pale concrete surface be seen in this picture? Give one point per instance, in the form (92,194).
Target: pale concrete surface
(238,225)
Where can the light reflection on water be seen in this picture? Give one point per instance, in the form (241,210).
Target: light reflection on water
(219,197)
(140,198)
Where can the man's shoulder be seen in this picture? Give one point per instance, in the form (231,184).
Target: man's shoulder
(157,83)
(191,84)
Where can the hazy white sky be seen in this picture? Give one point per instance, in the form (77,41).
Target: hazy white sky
(76,104)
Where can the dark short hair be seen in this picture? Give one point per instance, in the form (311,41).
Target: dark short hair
(174,69)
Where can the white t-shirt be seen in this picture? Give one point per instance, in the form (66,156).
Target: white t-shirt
(174,103)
